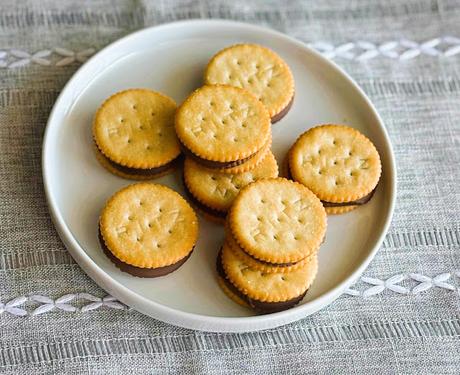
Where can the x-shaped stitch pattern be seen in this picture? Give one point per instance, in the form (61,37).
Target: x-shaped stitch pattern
(425,283)
(16,58)
(16,306)
(12,307)
(403,49)
(66,303)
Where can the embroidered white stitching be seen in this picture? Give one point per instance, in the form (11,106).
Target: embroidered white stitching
(64,303)
(11,306)
(15,58)
(402,49)
(425,283)
(68,301)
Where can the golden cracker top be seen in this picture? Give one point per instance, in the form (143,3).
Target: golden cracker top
(222,123)
(148,226)
(258,265)
(336,162)
(253,162)
(278,221)
(267,287)
(218,190)
(256,69)
(135,128)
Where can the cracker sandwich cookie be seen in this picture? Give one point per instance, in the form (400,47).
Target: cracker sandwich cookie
(338,163)
(227,289)
(148,230)
(222,126)
(258,264)
(258,70)
(134,134)
(213,192)
(252,162)
(277,221)
(264,292)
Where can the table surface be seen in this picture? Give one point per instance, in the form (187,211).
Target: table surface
(402,316)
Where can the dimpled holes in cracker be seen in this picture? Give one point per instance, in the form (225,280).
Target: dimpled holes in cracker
(135,128)
(278,221)
(267,287)
(256,69)
(262,266)
(253,162)
(149,225)
(218,190)
(222,123)
(337,163)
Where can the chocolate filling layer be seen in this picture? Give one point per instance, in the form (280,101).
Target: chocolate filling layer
(288,172)
(142,171)
(358,202)
(212,163)
(201,206)
(263,261)
(263,307)
(138,271)
(216,164)
(272,264)
(283,112)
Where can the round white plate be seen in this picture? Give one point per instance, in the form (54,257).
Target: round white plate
(171,58)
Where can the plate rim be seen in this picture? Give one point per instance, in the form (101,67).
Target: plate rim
(187,319)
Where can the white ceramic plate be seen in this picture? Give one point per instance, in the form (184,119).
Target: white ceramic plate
(171,58)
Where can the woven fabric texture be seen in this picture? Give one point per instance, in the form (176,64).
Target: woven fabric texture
(401,317)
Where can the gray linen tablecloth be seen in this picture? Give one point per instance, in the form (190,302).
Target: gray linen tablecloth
(401,317)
